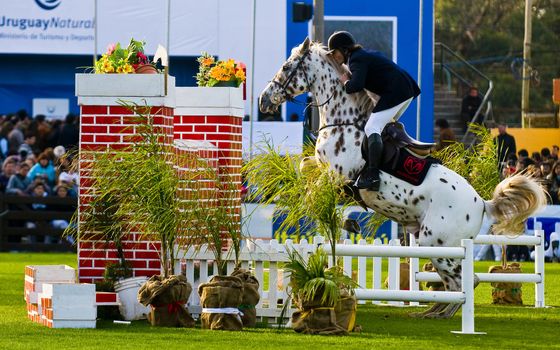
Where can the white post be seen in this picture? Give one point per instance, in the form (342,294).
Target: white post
(376,270)
(347,261)
(362,270)
(467,286)
(394,272)
(413,267)
(539,269)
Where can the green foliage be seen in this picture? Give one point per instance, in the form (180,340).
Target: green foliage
(315,193)
(490,34)
(312,281)
(477,164)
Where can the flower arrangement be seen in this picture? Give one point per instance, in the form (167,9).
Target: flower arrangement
(219,73)
(122,60)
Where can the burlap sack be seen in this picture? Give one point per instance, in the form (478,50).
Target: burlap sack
(312,318)
(168,297)
(345,311)
(250,297)
(506,293)
(403,276)
(432,286)
(221,292)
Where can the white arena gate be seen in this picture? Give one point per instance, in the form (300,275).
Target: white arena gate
(263,258)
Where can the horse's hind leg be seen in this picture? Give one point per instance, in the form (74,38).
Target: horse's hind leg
(450,273)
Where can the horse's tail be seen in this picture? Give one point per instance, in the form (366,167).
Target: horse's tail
(515,199)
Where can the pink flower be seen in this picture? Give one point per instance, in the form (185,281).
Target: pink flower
(110,49)
(141,57)
(241,65)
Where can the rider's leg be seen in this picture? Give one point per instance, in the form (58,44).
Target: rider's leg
(369,179)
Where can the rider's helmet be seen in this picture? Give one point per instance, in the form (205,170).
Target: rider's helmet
(342,41)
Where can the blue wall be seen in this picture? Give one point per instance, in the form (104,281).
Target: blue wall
(24,77)
(406,12)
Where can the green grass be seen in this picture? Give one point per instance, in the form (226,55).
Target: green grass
(383,326)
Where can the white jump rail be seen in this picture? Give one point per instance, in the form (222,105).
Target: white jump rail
(538,277)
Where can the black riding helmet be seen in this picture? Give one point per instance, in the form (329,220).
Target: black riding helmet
(342,41)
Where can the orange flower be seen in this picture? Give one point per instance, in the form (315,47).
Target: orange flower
(207,61)
(240,74)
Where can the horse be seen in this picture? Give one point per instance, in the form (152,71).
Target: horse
(441,211)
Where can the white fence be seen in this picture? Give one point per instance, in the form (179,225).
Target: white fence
(263,258)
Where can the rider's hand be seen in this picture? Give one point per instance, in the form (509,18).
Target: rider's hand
(344,78)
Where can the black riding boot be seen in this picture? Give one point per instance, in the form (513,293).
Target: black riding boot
(369,179)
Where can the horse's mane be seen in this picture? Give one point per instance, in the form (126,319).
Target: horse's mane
(363,98)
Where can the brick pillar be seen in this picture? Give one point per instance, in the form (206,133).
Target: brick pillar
(103,127)
(214,115)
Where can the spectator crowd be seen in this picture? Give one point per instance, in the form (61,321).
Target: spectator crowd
(35,154)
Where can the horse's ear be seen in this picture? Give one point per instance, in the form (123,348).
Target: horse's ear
(305,46)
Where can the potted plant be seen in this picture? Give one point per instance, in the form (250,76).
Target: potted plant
(228,301)
(227,73)
(315,194)
(322,295)
(125,60)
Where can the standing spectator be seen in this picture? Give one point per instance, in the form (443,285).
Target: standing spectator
(54,135)
(26,147)
(15,137)
(9,168)
(19,183)
(41,128)
(70,134)
(42,168)
(505,143)
(554,153)
(554,183)
(469,106)
(5,130)
(446,134)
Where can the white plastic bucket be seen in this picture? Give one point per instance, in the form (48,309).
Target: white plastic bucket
(127,290)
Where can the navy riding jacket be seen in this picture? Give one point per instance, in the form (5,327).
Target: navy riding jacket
(380,75)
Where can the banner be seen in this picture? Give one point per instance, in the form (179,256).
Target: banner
(46,26)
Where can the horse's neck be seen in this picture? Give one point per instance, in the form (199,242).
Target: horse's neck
(338,106)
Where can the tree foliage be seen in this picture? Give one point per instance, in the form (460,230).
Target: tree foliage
(489,34)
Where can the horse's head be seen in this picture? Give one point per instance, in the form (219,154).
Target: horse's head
(291,80)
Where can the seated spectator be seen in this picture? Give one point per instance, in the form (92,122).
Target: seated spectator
(9,168)
(61,192)
(446,134)
(68,177)
(546,168)
(522,154)
(545,154)
(509,168)
(43,167)
(537,159)
(5,130)
(38,191)
(19,183)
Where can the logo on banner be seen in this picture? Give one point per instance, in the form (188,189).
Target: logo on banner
(48,4)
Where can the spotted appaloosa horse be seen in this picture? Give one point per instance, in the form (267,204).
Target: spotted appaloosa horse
(441,211)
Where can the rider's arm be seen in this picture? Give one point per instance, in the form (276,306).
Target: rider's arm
(357,82)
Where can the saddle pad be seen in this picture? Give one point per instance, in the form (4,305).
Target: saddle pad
(409,167)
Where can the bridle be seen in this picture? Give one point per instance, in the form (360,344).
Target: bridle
(284,86)
(287,97)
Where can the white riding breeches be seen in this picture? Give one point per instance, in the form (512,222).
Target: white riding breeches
(377,121)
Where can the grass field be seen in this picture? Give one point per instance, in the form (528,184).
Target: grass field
(384,327)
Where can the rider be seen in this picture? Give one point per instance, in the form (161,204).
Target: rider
(378,74)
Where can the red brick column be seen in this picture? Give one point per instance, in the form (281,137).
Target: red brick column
(214,115)
(105,126)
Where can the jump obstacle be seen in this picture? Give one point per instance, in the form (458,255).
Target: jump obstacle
(272,281)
